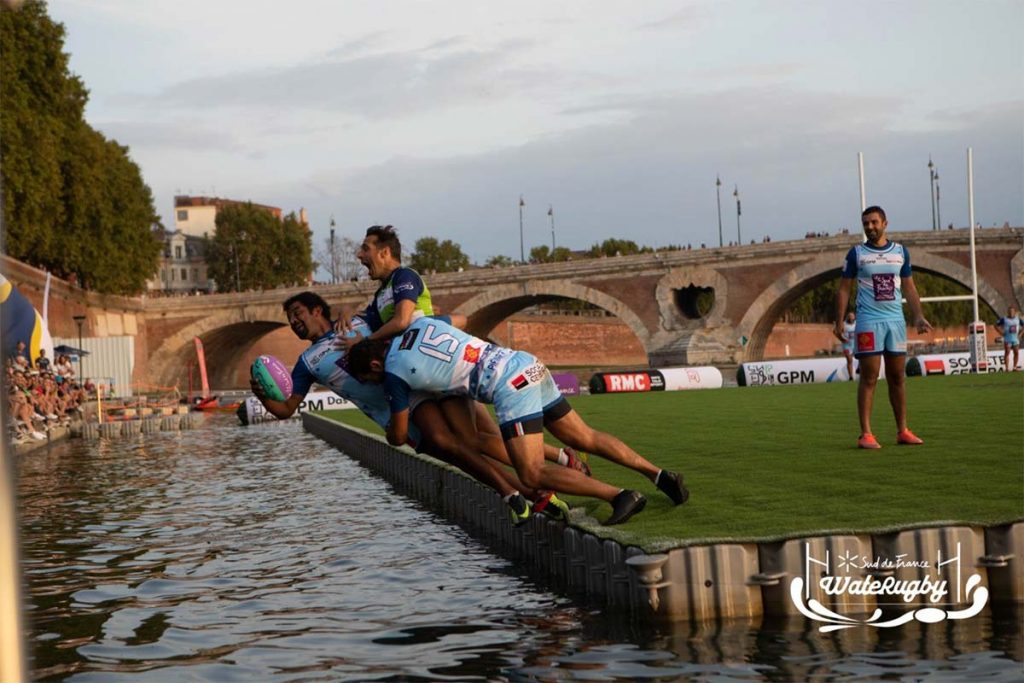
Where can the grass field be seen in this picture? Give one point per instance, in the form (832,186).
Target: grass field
(778,462)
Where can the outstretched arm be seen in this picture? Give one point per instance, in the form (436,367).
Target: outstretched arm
(914,299)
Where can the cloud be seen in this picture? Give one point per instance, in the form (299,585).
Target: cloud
(689,18)
(179,135)
(380,85)
(651,176)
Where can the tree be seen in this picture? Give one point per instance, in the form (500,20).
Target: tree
(340,263)
(252,249)
(616,247)
(75,203)
(499,261)
(543,254)
(437,257)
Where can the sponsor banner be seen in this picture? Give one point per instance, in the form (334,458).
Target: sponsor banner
(680,379)
(977,346)
(954,364)
(666,379)
(252,411)
(566,383)
(797,371)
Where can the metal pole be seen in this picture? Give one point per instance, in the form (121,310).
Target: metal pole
(334,261)
(718,195)
(860,171)
(970,212)
(938,206)
(551,212)
(79,319)
(522,248)
(931,175)
(736,194)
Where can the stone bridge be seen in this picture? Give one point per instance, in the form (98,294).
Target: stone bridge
(655,295)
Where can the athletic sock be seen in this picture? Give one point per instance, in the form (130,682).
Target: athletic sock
(510,496)
(563,457)
(656,475)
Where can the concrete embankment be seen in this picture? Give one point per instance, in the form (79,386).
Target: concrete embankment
(723,580)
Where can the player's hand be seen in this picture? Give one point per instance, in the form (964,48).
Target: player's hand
(922,325)
(837,330)
(350,339)
(257,390)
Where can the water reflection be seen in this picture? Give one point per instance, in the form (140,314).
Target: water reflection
(230,553)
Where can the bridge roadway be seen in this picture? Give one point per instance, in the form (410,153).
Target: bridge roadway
(654,294)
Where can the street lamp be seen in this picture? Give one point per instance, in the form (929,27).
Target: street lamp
(938,206)
(551,212)
(718,195)
(79,320)
(736,194)
(522,249)
(334,260)
(932,176)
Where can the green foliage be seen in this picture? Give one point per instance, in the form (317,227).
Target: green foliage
(499,261)
(74,202)
(819,305)
(252,249)
(432,256)
(544,254)
(616,247)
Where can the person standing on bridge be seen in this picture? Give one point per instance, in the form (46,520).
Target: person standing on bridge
(884,277)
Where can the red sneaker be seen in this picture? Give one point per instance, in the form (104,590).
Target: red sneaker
(868,441)
(907,438)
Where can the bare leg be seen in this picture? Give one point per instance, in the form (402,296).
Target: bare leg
(849,365)
(571,430)
(869,366)
(527,453)
(896,380)
(472,422)
(431,422)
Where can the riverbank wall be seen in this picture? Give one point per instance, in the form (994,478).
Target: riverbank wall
(666,579)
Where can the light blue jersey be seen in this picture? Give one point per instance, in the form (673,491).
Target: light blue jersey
(320,364)
(879,272)
(436,357)
(1011,330)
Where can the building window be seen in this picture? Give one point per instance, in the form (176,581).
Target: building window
(172,274)
(184,274)
(177,251)
(182,214)
(195,275)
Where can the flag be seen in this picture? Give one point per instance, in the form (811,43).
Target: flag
(738,212)
(521,202)
(551,211)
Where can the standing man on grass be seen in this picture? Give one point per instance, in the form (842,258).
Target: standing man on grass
(884,277)
(1009,327)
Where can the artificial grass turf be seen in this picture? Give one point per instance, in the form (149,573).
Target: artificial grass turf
(766,463)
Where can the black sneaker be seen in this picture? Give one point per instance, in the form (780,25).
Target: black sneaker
(519,509)
(625,505)
(671,484)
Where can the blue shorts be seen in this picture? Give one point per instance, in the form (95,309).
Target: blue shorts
(525,396)
(1011,340)
(884,336)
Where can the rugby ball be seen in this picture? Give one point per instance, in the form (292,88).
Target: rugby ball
(273,377)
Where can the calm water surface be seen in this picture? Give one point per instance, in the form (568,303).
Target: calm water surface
(234,553)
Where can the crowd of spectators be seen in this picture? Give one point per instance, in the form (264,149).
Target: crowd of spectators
(40,394)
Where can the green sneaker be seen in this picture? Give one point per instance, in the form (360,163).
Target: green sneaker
(519,509)
(550,505)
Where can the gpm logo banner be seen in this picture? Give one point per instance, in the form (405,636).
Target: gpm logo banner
(892,583)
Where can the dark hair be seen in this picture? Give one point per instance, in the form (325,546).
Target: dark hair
(310,301)
(874,209)
(359,356)
(387,237)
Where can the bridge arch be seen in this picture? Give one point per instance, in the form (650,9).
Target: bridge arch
(487,309)
(226,337)
(760,318)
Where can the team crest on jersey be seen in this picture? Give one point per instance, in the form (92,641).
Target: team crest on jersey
(866,341)
(885,286)
(471,354)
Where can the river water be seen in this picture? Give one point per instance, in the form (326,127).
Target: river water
(233,553)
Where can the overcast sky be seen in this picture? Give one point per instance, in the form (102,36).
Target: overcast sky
(436,116)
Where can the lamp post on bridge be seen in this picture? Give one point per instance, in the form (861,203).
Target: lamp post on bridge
(79,320)
(334,258)
(932,176)
(736,194)
(718,196)
(938,206)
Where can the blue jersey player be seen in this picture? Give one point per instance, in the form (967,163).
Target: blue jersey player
(1009,327)
(434,356)
(883,274)
(309,318)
